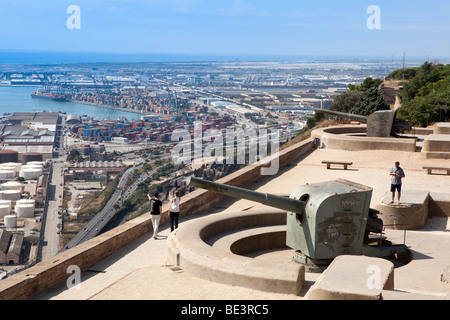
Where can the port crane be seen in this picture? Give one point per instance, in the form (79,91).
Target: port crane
(173,101)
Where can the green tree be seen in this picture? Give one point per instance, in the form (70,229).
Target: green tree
(347,101)
(425,74)
(426,97)
(424,110)
(367,84)
(74,155)
(363,99)
(402,74)
(372,101)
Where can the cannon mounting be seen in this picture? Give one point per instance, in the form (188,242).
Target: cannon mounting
(324,220)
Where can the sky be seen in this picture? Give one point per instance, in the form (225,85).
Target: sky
(230,27)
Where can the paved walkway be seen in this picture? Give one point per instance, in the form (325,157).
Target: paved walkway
(139,270)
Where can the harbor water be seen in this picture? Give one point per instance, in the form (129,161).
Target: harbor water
(18,99)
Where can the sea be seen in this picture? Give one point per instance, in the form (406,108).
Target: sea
(18,99)
(12,57)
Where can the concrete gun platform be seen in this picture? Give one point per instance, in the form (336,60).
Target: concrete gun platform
(411,213)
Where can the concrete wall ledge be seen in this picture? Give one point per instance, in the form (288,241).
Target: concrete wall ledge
(442,128)
(48,273)
(353,278)
(436,146)
(435,154)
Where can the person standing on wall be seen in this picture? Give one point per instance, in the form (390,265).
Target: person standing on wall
(155,213)
(397,174)
(174,210)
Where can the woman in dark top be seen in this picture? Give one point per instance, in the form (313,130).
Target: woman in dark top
(155,213)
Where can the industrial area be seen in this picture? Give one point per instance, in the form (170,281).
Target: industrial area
(28,142)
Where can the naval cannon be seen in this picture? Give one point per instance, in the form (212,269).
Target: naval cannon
(324,220)
(382,123)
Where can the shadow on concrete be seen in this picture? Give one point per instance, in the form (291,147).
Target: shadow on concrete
(419,256)
(437,224)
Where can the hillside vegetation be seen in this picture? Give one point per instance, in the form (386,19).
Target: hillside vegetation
(425,96)
(426,93)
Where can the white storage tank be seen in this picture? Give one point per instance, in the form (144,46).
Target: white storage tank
(25,208)
(8,168)
(30,173)
(10,195)
(6,203)
(31,168)
(11,165)
(7,174)
(12,185)
(26,201)
(4,210)
(33,163)
(10,221)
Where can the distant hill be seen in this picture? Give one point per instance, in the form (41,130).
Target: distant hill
(402,74)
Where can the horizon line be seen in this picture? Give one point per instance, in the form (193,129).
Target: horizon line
(81,56)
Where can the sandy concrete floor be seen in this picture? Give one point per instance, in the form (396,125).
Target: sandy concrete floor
(139,270)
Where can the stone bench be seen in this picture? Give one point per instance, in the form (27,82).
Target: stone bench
(343,163)
(430,169)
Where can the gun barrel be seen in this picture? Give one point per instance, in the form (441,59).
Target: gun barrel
(288,204)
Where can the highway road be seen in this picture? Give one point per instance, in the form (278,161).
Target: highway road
(49,238)
(102,218)
(50,243)
(95,226)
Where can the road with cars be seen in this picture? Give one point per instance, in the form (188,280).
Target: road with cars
(50,241)
(99,221)
(95,226)
(49,237)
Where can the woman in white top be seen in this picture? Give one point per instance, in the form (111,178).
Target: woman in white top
(174,211)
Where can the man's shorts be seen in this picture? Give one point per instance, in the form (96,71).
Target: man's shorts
(396,186)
